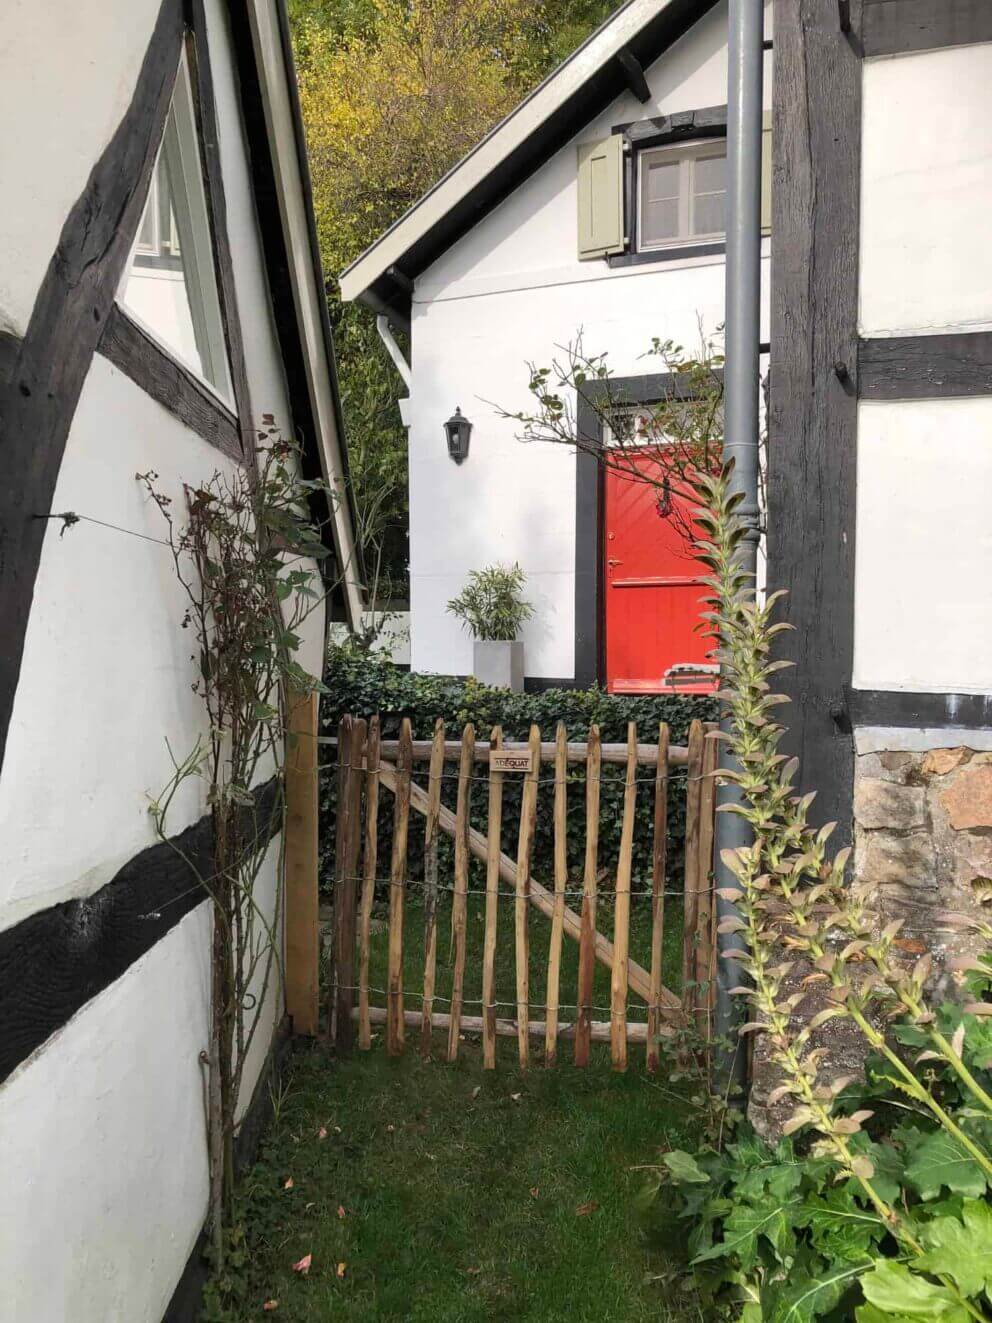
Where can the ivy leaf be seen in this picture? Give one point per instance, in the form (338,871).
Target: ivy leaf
(896,1292)
(742,1231)
(961,1250)
(684,1168)
(938,1160)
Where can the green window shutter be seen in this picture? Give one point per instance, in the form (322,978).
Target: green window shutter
(766,174)
(601,197)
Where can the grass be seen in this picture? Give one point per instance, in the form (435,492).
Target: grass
(455,1195)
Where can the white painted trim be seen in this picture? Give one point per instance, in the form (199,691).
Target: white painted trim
(909,739)
(307,294)
(492,151)
(393,350)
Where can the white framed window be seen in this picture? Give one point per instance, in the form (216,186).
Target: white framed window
(681,194)
(170,285)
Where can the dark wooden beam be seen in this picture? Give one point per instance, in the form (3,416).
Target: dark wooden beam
(175,387)
(813,406)
(55,961)
(926,367)
(891,27)
(45,378)
(884,707)
(634,75)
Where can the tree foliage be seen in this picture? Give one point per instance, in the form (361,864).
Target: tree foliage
(393,95)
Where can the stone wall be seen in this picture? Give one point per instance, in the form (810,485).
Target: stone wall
(923,837)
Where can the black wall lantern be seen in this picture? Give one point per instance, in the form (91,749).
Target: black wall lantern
(458,429)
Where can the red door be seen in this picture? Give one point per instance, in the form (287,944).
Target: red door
(653,590)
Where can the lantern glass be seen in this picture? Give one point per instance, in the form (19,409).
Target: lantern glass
(458,430)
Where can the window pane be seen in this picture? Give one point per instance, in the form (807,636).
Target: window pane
(170,285)
(709,214)
(710,174)
(662,180)
(660,221)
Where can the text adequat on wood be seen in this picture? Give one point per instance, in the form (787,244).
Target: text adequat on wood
(511,762)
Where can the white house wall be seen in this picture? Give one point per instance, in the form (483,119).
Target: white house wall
(90,52)
(102,1128)
(923,612)
(511,291)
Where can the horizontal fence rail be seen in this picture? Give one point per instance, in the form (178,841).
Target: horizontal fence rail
(369,765)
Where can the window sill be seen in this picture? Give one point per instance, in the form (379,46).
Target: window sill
(680,254)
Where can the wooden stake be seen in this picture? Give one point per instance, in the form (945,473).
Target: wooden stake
(561,881)
(658,895)
(704,948)
(340,850)
(459,901)
(587,931)
(493,832)
(346,890)
(693,799)
(621,926)
(431,835)
(302,909)
(528,818)
(368,881)
(397,887)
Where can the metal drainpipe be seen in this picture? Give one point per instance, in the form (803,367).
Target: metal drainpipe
(741,387)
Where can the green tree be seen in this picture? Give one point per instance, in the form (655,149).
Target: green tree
(393,94)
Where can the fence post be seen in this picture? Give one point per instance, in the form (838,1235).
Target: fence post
(693,804)
(346,888)
(528,818)
(395,1023)
(371,863)
(435,776)
(302,908)
(621,910)
(459,899)
(493,850)
(561,880)
(658,858)
(587,925)
(704,942)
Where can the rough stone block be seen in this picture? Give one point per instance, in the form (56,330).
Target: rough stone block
(938,762)
(968,800)
(889,859)
(882,804)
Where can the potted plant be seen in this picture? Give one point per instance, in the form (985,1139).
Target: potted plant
(491,608)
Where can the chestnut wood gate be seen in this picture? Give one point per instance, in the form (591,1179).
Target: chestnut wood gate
(369,766)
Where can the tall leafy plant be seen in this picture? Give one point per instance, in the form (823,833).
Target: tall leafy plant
(491,605)
(883,1197)
(242,550)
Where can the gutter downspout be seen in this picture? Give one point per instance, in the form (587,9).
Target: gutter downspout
(741,389)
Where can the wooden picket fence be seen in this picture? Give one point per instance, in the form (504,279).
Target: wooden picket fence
(369,765)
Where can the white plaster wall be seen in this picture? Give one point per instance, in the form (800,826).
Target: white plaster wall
(102,1147)
(926,260)
(923,566)
(511,291)
(68,69)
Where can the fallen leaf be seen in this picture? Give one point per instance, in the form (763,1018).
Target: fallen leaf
(307,1207)
(341,1211)
(515,1097)
(534,1191)
(909,944)
(476,1091)
(269,1306)
(303,1267)
(474,1272)
(342,1268)
(584,1210)
(337,1129)
(390,1129)
(288,1183)
(322,1132)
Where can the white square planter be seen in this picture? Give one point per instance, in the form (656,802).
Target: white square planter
(499,664)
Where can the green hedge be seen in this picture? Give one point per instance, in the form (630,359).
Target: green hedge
(362,685)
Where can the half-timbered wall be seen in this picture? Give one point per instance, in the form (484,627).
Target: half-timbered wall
(104,961)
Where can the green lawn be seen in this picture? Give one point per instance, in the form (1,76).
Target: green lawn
(466,1195)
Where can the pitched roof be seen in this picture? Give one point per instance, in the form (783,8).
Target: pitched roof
(592,76)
